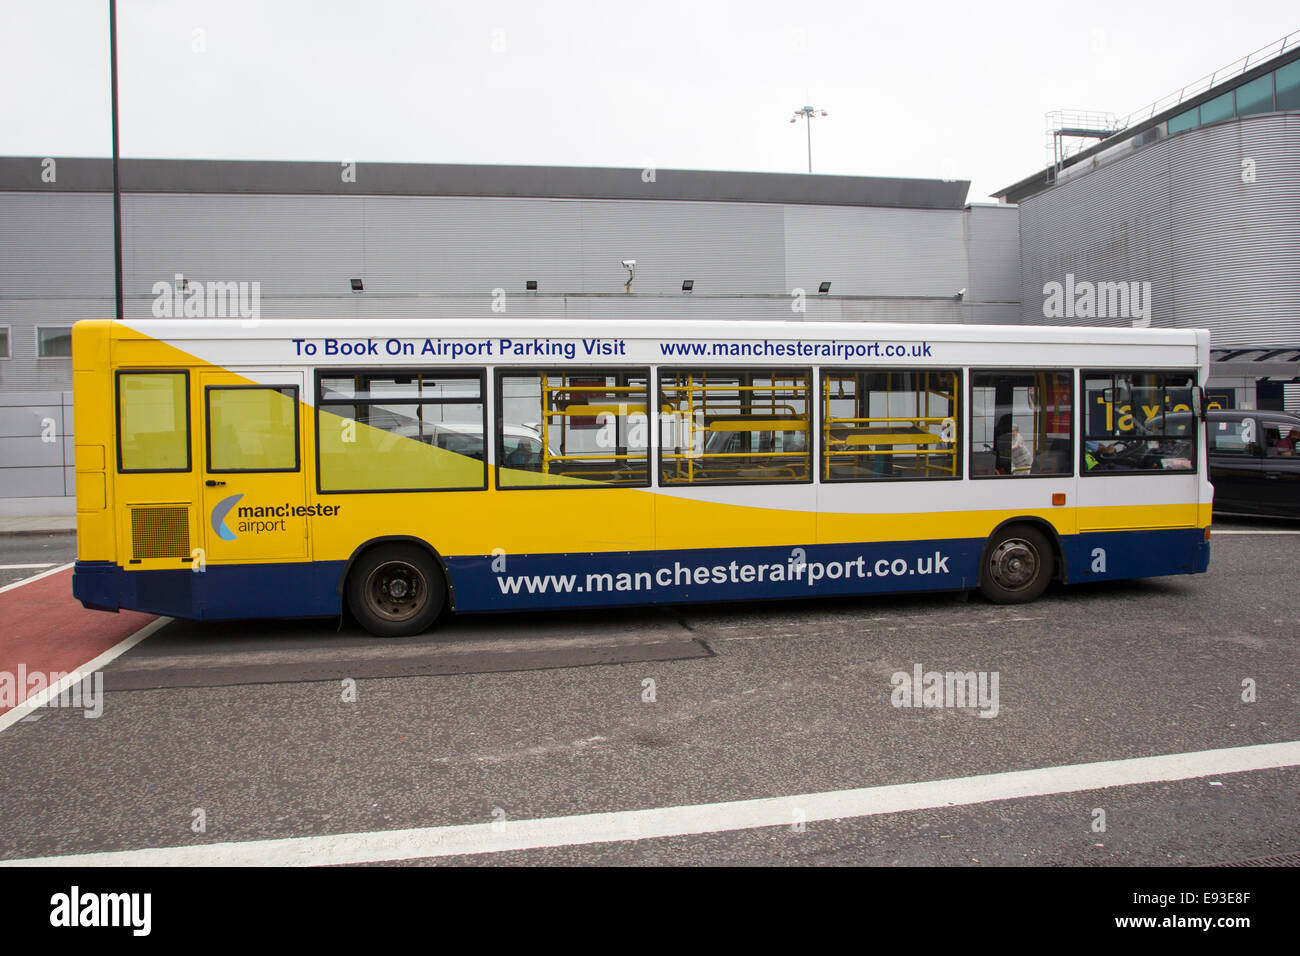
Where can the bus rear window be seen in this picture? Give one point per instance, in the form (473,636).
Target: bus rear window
(153,421)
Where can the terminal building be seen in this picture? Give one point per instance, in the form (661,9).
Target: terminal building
(1193,207)
(1199,196)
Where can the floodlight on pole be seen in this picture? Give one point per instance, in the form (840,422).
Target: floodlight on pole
(808,112)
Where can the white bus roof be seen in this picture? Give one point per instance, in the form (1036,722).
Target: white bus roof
(645,329)
(496,341)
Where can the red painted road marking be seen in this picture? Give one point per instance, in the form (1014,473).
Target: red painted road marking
(44,628)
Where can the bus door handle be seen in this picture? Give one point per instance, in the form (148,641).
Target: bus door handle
(213,483)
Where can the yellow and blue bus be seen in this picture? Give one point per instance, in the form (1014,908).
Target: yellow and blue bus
(401,468)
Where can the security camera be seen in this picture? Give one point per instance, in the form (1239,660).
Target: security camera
(960,294)
(629,263)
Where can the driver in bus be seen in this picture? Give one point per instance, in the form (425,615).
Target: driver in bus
(1095,451)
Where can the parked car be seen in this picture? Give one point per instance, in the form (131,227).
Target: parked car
(522,443)
(1254,462)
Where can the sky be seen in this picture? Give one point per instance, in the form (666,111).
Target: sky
(952,90)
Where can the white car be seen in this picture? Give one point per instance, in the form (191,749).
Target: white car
(522,444)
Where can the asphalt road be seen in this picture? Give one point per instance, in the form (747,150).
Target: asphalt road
(543,715)
(23,555)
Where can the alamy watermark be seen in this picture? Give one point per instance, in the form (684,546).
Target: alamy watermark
(74,690)
(211,300)
(1098,300)
(125,910)
(956,689)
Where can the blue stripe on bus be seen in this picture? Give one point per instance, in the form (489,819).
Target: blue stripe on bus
(510,582)
(219,592)
(711,574)
(1116,555)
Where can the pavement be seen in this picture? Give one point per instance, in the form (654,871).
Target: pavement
(38,524)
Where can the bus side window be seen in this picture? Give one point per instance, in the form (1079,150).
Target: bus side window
(571,428)
(376,431)
(252,428)
(734,426)
(1137,421)
(890,425)
(1022,423)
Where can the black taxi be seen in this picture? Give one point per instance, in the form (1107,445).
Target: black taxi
(1254,462)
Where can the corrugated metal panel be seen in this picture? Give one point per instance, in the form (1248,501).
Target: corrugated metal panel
(993,250)
(302,245)
(1219,253)
(56,244)
(23,314)
(56,256)
(886,252)
(467,245)
(292,245)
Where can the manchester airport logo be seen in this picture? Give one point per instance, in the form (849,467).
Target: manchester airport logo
(261,519)
(219,513)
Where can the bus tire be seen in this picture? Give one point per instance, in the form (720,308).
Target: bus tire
(396,590)
(1017,565)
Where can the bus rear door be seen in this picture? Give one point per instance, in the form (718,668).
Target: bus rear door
(252,467)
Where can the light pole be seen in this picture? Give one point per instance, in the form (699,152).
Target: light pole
(117,189)
(808,112)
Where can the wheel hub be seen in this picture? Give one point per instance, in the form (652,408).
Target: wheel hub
(396,591)
(1014,564)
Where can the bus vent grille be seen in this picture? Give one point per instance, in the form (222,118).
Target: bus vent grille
(160,532)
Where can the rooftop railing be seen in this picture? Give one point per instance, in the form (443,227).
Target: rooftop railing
(1234,69)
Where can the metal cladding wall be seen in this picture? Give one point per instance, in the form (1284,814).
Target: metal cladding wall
(1220,253)
(36,449)
(442,256)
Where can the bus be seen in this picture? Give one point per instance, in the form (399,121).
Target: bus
(398,468)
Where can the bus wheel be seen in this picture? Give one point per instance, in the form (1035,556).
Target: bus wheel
(396,590)
(1017,565)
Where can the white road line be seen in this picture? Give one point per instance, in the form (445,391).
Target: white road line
(591,828)
(25,567)
(11,717)
(1214,532)
(37,577)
